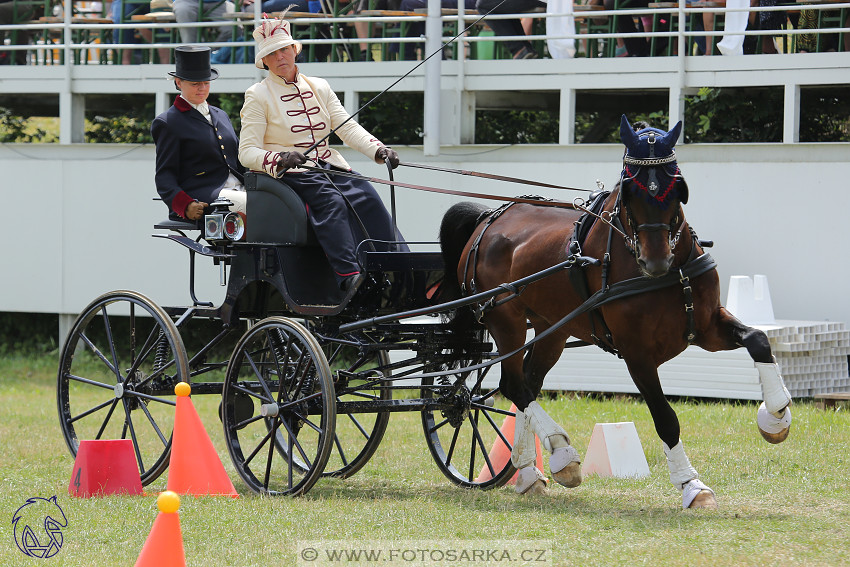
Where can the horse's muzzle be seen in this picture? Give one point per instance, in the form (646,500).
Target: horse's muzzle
(655,268)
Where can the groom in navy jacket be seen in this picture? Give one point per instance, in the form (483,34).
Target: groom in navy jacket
(196,146)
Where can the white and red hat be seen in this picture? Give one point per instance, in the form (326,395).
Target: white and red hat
(270,36)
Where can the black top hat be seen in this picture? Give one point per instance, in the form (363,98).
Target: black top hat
(193,64)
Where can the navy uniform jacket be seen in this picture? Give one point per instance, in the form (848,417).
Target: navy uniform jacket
(193,157)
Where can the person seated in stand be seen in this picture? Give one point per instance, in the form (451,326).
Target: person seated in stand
(519,49)
(289,113)
(196,146)
(186,11)
(417,29)
(11,13)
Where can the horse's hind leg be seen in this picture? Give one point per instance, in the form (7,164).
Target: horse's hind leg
(695,494)
(774,416)
(564,462)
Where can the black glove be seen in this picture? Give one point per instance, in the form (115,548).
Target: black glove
(385,153)
(288,160)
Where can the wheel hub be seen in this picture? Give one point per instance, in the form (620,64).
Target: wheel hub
(458,410)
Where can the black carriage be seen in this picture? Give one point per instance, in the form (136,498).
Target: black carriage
(306,391)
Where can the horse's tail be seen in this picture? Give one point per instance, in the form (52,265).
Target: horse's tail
(457,227)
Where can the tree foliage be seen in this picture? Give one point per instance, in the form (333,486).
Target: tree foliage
(734,115)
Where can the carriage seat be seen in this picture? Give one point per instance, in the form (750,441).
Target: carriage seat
(275,213)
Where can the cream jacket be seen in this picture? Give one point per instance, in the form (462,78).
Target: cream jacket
(282,117)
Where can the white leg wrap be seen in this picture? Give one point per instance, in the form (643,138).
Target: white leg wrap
(770,423)
(524,452)
(681,471)
(690,491)
(561,457)
(527,478)
(550,433)
(773,391)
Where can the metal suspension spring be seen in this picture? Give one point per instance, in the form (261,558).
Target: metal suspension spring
(161,357)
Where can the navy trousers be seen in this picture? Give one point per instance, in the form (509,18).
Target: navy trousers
(343,213)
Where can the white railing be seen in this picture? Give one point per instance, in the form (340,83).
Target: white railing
(70,29)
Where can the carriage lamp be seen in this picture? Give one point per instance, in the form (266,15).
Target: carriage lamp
(234,226)
(214,222)
(214,227)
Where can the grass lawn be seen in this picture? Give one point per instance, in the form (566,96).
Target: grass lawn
(787,504)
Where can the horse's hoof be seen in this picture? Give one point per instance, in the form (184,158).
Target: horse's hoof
(705,500)
(565,466)
(539,487)
(530,481)
(569,476)
(774,429)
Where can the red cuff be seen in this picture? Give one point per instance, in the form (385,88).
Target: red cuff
(180,202)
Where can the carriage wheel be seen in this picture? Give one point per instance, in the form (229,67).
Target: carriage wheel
(463,435)
(357,435)
(117,372)
(278,408)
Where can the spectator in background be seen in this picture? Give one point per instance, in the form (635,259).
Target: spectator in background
(12,12)
(186,11)
(122,12)
(519,49)
(417,29)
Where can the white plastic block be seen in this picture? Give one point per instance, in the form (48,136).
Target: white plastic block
(615,450)
(749,300)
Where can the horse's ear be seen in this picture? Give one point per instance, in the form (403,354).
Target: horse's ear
(627,134)
(673,135)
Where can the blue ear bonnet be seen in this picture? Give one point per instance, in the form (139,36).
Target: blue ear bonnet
(650,160)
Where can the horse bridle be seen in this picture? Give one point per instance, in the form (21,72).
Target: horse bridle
(632,243)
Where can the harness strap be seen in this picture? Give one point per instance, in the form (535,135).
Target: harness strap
(619,290)
(492,215)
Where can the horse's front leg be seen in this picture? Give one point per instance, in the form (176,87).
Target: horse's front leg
(695,494)
(774,415)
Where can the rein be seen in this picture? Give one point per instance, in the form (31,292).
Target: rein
(522,199)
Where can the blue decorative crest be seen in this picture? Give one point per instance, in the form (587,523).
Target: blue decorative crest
(650,160)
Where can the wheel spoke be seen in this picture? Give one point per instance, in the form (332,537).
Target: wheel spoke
(106,419)
(128,421)
(153,424)
(92,410)
(108,326)
(340,450)
(253,454)
(477,440)
(452,446)
(88,381)
(149,397)
(100,355)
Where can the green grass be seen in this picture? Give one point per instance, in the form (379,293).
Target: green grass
(786,505)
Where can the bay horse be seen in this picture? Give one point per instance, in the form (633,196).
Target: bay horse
(640,234)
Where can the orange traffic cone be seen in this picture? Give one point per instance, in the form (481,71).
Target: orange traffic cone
(500,453)
(164,546)
(194,467)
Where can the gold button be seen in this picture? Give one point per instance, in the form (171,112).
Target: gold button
(219,137)
(222,147)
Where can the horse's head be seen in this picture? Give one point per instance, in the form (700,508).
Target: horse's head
(651,190)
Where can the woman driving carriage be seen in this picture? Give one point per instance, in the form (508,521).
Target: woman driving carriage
(196,146)
(289,112)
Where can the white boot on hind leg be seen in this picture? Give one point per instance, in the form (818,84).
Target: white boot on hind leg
(565,463)
(774,416)
(530,480)
(695,494)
